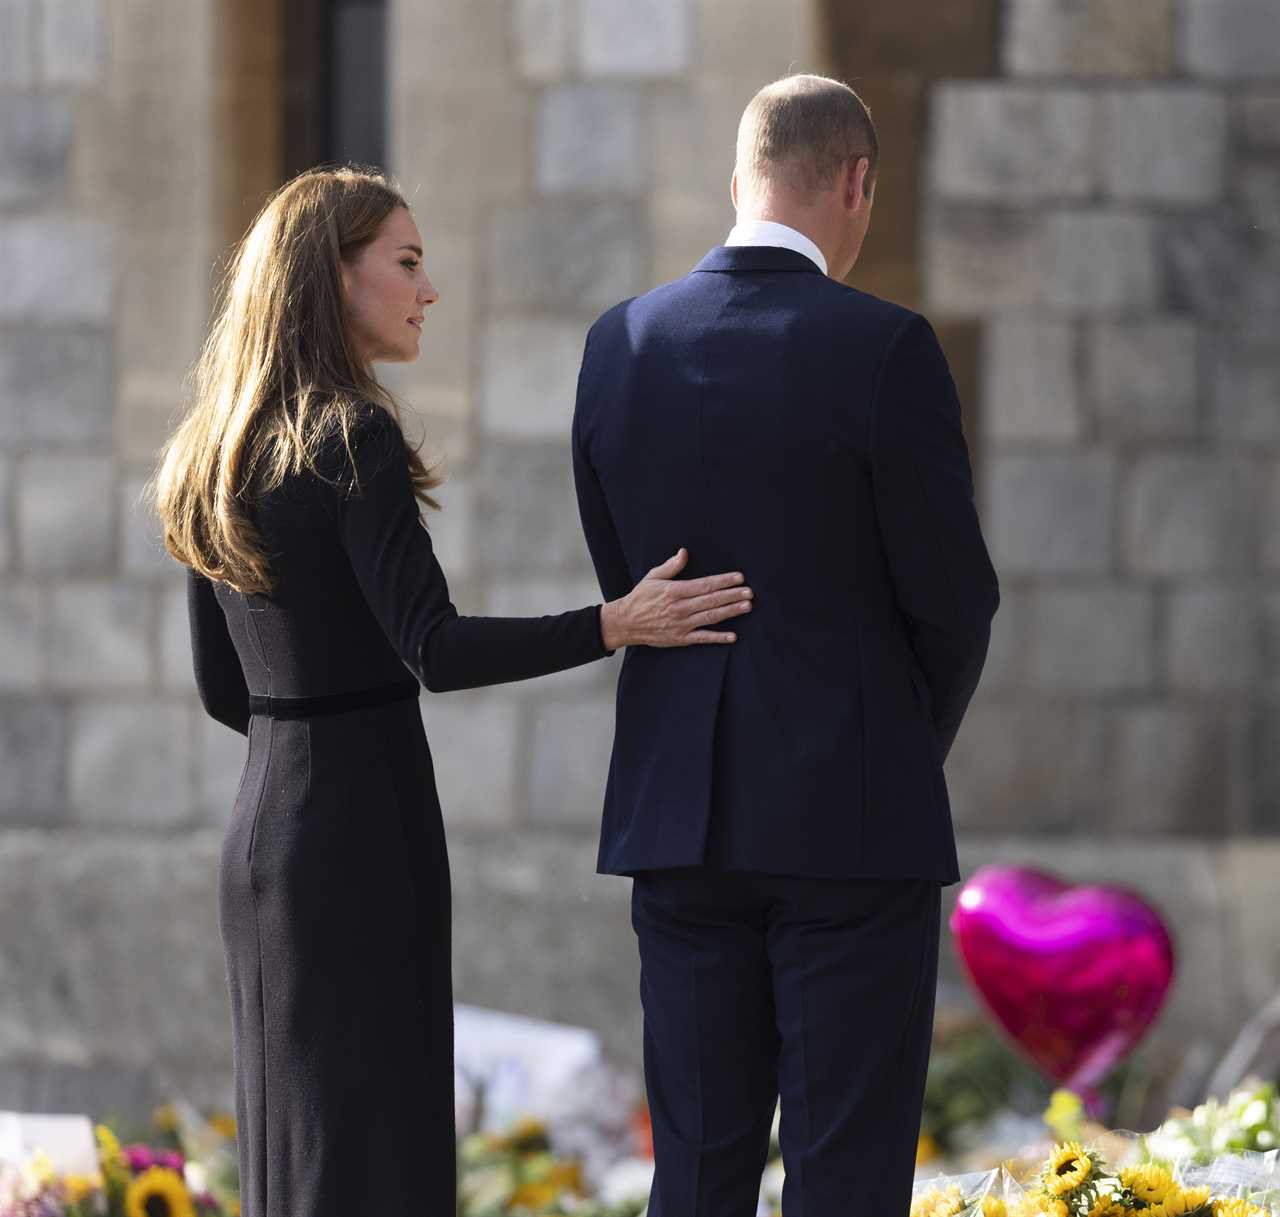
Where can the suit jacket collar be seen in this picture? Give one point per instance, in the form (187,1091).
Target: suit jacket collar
(755,257)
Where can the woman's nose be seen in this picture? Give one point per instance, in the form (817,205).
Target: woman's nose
(427,294)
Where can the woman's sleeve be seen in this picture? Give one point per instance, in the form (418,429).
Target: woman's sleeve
(219,677)
(391,554)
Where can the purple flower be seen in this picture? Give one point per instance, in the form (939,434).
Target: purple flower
(143,1157)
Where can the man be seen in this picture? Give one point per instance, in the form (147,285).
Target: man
(780,802)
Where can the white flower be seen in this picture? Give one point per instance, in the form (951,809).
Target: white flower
(627,1181)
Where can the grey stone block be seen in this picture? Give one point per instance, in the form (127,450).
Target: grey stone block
(1256,188)
(982,261)
(1215,639)
(1030,387)
(1258,115)
(1264,775)
(1271,521)
(572,743)
(99,635)
(35,141)
(131,762)
(542,38)
(33,748)
(1189,515)
(1009,142)
(108,926)
(1028,766)
(453,527)
(1170,770)
(1230,38)
(1246,391)
(1093,639)
(64,513)
(634,37)
(1164,144)
(1008,655)
(1143,378)
(1050,514)
(1214,265)
(176,672)
(97,1090)
(1102,262)
(55,385)
(526,510)
(1250,866)
(577,257)
(22,617)
(17,43)
(530,378)
(1088,37)
(221,755)
(72,42)
(590,139)
(6,511)
(475,741)
(141,533)
(538,932)
(58,271)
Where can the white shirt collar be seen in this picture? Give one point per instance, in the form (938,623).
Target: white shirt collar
(769,232)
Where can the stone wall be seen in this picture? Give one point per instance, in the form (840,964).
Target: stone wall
(1097,204)
(1108,208)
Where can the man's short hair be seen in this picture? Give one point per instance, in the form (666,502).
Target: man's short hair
(802,130)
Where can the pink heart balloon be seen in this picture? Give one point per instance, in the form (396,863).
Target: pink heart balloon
(1076,975)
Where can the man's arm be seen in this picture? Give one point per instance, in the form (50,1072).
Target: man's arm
(923,486)
(597,524)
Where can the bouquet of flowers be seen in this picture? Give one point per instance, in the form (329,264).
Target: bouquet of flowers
(518,1175)
(188,1172)
(1077,1182)
(1248,1120)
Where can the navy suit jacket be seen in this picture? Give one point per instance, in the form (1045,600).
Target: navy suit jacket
(777,422)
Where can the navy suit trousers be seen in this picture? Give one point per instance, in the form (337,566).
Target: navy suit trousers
(818,991)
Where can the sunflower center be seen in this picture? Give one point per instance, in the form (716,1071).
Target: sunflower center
(157,1206)
(1065,1168)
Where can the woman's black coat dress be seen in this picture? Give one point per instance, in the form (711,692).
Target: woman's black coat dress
(334,881)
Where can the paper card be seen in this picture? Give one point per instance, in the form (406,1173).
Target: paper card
(68,1140)
(522,1065)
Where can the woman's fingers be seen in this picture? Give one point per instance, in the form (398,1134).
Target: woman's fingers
(698,637)
(735,600)
(708,583)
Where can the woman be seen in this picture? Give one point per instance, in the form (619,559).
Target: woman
(291,495)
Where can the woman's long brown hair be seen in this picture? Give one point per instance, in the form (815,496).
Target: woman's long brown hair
(277,375)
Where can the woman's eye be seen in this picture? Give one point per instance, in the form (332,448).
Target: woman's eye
(410,263)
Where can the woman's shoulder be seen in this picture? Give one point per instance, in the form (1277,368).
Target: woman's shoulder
(357,443)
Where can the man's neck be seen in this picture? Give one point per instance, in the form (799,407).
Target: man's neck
(794,219)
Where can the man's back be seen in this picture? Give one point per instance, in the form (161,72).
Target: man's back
(779,423)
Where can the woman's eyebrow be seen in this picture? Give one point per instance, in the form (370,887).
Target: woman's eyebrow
(415,249)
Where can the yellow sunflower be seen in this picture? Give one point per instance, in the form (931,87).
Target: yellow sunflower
(937,1202)
(993,1206)
(1237,1208)
(1037,1204)
(81,1187)
(224,1124)
(1069,1167)
(158,1192)
(1150,1183)
(1184,1203)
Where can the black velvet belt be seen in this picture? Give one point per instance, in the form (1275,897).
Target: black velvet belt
(332,703)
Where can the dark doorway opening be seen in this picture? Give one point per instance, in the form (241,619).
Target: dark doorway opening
(334,87)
